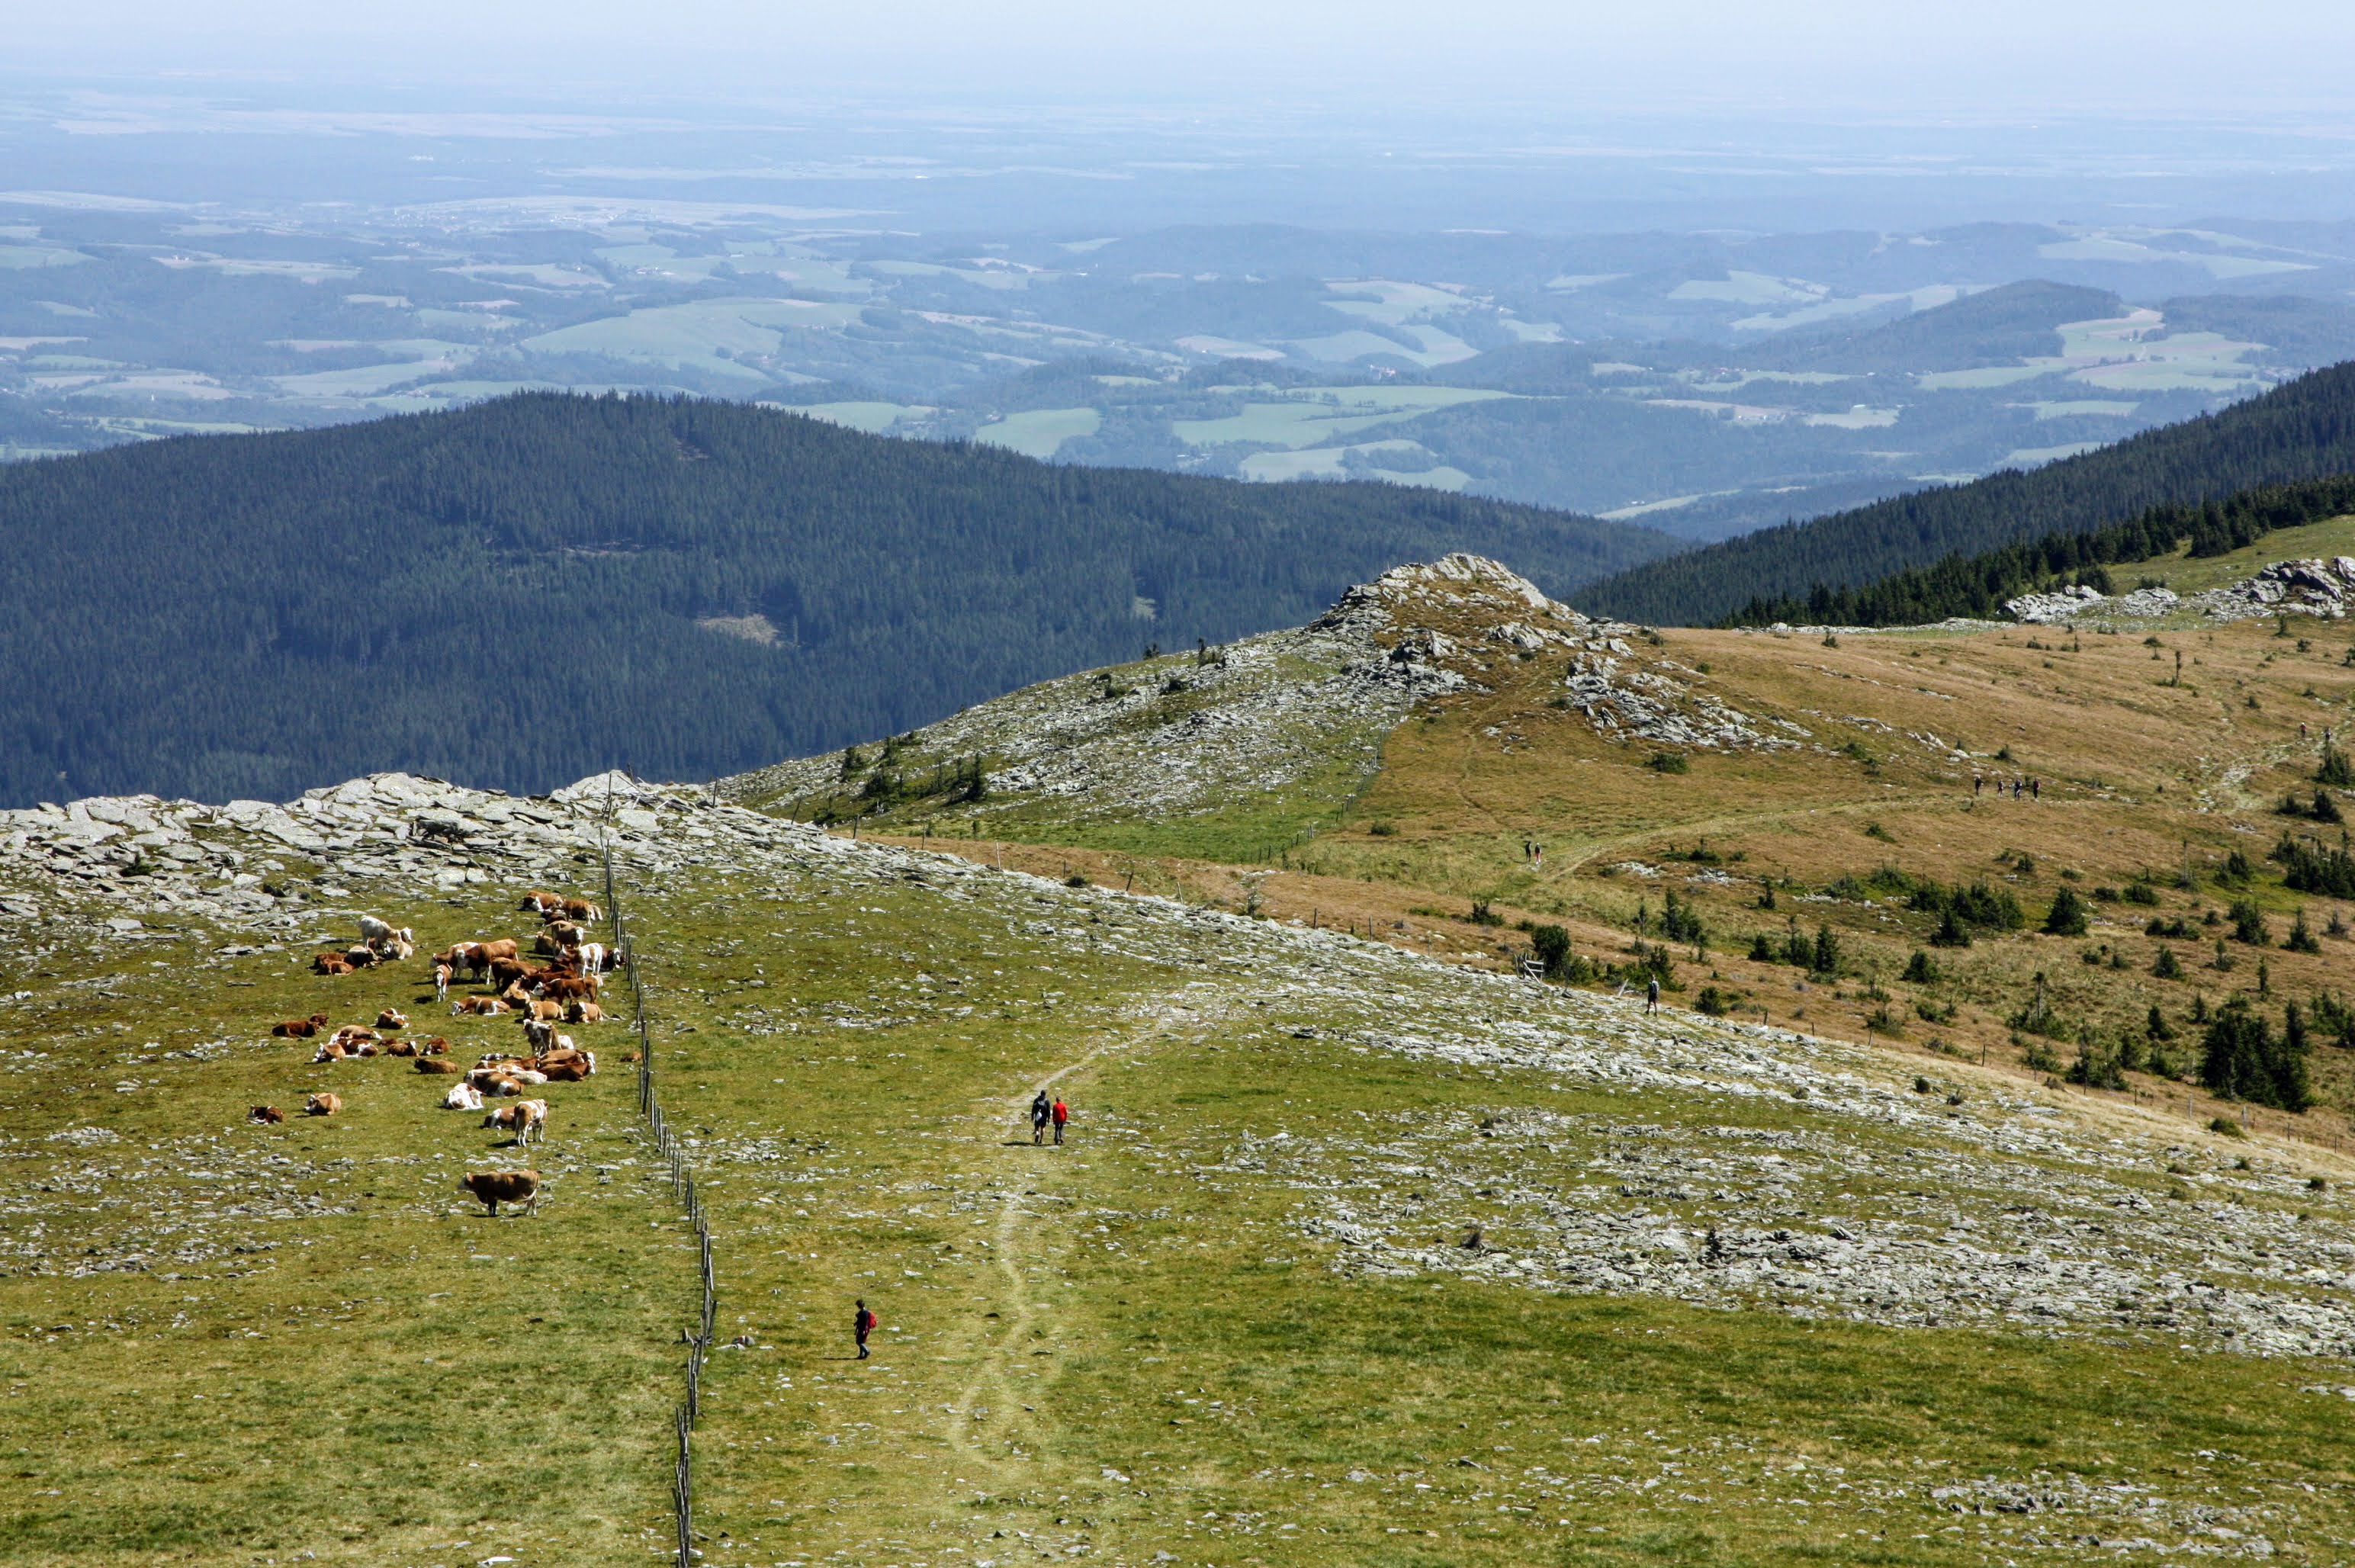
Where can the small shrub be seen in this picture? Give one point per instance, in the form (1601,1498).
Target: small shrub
(2249,924)
(2040,1057)
(2141,892)
(1921,970)
(2301,938)
(1483,916)
(2166,966)
(1874,830)
(1075,880)
(1668,762)
(1383,829)
(1712,1001)
(2067,917)
(2335,769)
(2226,1127)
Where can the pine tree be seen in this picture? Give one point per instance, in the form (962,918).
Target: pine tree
(2068,916)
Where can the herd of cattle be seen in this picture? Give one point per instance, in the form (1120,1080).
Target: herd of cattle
(556,985)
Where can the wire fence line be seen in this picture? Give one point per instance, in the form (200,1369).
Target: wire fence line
(682,1179)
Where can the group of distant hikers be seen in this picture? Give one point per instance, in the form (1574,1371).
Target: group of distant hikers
(2033,788)
(1046,1111)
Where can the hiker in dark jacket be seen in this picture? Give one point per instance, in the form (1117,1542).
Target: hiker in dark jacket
(862,1324)
(1040,1111)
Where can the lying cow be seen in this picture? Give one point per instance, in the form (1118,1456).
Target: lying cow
(539,903)
(437,1064)
(581,909)
(524,1118)
(323,1104)
(497,1187)
(478,1006)
(329,1050)
(331,964)
(392,1018)
(583,1013)
(299,1028)
(269,1115)
(463,1097)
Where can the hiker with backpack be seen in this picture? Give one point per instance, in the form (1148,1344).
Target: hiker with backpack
(1040,1111)
(862,1324)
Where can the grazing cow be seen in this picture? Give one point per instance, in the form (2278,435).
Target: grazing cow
(591,955)
(545,946)
(377,932)
(484,1006)
(523,1118)
(392,1018)
(506,972)
(463,1097)
(538,904)
(269,1115)
(441,981)
(497,1187)
(296,1028)
(505,947)
(583,1013)
(331,964)
(437,1064)
(563,988)
(540,1033)
(567,933)
(323,1104)
(581,909)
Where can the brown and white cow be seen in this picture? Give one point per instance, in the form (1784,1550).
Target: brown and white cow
(269,1115)
(539,903)
(497,1187)
(323,1104)
(524,1118)
(392,1018)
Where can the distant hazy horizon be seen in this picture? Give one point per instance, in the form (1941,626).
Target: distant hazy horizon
(2151,59)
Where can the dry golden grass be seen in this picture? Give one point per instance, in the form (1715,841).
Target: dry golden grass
(2139,773)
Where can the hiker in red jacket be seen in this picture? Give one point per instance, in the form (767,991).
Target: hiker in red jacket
(1062,1114)
(862,1325)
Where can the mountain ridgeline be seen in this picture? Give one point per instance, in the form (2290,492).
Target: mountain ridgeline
(529,589)
(2300,431)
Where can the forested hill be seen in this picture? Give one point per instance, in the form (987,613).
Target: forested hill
(523,591)
(2302,430)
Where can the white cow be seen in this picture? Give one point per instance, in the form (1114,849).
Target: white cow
(463,1097)
(375,932)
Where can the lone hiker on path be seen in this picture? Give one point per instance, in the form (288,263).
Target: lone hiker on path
(1652,996)
(1062,1114)
(862,1324)
(1039,1113)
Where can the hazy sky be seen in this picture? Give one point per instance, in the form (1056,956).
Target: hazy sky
(2270,59)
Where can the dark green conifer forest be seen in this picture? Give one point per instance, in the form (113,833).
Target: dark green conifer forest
(510,594)
(2300,431)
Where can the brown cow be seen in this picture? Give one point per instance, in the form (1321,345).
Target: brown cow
(581,909)
(402,1048)
(296,1028)
(538,904)
(485,1007)
(323,1106)
(437,1064)
(329,1050)
(583,1013)
(331,964)
(434,1045)
(506,972)
(568,988)
(497,1187)
(392,1018)
(576,1071)
(267,1114)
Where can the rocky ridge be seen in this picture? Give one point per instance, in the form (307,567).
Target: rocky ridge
(1182,735)
(2311,587)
